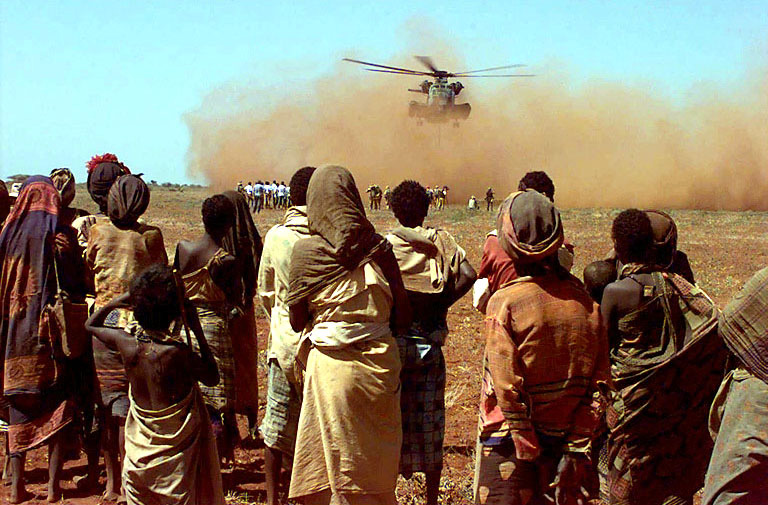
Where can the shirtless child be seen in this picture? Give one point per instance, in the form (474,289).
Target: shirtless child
(170,452)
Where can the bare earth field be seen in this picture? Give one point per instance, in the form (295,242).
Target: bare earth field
(724,248)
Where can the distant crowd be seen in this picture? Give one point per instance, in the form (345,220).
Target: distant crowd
(265,195)
(629,385)
(437,196)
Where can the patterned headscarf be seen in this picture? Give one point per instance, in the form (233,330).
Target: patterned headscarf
(128,199)
(64,182)
(27,284)
(743,324)
(529,227)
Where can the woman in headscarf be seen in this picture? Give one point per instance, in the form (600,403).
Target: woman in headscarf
(545,359)
(212,284)
(33,246)
(346,292)
(84,379)
(119,249)
(103,171)
(243,242)
(64,182)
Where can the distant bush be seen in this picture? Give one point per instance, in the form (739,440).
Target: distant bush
(17,178)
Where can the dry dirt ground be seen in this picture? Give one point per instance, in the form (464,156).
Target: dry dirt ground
(725,249)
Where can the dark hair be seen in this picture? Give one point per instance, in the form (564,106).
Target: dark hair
(299,184)
(154,298)
(633,236)
(410,203)
(597,275)
(538,181)
(218,215)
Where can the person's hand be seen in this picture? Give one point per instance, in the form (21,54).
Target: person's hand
(63,243)
(572,472)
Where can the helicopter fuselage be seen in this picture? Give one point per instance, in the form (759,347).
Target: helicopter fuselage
(441,102)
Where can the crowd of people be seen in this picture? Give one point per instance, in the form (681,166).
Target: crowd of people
(265,195)
(618,385)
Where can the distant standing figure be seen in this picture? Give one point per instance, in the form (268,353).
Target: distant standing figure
(472,204)
(258,196)
(249,196)
(489,199)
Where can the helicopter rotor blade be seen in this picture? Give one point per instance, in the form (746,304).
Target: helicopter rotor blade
(516,65)
(503,75)
(427,62)
(397,72)
(404,70)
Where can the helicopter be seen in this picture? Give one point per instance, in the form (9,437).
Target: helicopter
(440,106)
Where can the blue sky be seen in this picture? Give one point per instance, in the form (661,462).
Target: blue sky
(79,77)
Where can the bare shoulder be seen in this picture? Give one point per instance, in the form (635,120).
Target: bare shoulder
(622,286)
(150,231)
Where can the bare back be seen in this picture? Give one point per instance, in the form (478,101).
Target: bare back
(159,373)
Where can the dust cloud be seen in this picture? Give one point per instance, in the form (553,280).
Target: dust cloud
(605,144)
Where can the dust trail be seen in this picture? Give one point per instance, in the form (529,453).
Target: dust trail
(604,144)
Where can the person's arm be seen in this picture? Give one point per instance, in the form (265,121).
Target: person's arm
(156,246)
(466,278)
(508,385)
(226,275)
(402,314)
(204,365)
(114,338)
(267,289)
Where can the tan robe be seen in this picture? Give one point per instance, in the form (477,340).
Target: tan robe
(349,437)
(170,455)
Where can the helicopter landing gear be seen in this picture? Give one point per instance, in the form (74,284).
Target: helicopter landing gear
(455,124)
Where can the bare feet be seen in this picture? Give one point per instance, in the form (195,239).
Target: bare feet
(54,492)
(112,497)
(19,495)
